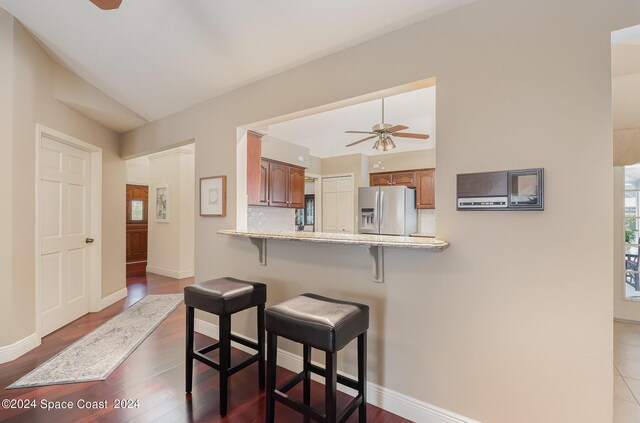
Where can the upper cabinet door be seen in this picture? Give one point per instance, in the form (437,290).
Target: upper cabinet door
(264,183)
(296,188)
(407,179)
(279,185)
(426,189)
(380,179)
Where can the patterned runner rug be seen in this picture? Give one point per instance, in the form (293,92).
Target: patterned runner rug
(96,355)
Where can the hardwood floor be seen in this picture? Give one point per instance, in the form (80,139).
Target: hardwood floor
(153,375)
(137,268)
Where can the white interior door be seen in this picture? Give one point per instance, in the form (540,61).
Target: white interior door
(329,204)
(338,204)
(345,207)
(64,215)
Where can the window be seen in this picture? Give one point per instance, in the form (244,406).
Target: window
(309,209)
(137,210)
(631,227)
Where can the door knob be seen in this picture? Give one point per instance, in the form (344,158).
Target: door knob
(88,240)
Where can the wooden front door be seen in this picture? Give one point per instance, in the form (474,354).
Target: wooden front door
(137,218)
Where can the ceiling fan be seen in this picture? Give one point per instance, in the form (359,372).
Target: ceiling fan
(107,4)
(384,133)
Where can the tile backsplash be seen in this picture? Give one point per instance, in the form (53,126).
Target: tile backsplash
(427,222)
(271,219)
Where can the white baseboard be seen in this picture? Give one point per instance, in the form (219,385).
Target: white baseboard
(387,399)
(113,298)
(176,274)
(15,350)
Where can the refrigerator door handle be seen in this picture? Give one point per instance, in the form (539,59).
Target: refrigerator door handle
(381,210)
(376,215)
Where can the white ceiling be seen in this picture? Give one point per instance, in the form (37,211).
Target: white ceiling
(161,56)
(324,133)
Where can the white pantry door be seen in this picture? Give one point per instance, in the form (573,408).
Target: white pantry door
(64,213)
(337,204)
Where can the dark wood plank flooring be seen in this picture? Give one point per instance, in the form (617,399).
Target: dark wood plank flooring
(137,268)
(153,375)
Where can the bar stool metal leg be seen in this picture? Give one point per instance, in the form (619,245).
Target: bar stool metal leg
(189,350)
(272,353)
(306,361)
(331,387)
(261,351)
(225,360)
(362,376)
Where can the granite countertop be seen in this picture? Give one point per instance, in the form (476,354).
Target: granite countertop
(345,238)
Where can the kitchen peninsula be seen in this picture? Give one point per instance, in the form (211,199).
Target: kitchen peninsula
(376,243)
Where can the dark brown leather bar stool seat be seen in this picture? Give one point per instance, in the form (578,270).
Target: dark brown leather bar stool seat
(224,297)
(328,325)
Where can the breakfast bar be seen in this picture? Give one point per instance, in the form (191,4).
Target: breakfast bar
(376,243)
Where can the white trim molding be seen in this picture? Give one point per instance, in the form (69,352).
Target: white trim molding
(387,399)
(18,348)
(175,274)
(112,298)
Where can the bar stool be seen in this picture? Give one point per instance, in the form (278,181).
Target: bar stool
(328,325)
(224,297)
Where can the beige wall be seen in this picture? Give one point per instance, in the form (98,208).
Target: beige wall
(315,165)
(520,84)
(33,103)
(284,151)
(170,246)
(421,159)
(138,171)
(6,172)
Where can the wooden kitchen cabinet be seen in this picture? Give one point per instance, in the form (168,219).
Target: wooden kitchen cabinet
(406,178)
(423,180)
(271,183)
(379,179)
(263,198)
(278,185)
(426,189)
(296,188)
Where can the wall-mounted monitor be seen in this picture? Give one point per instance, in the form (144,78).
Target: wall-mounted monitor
(501,190)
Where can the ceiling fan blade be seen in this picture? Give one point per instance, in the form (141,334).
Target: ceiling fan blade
(359,132)
(107,4)
(397,128)
(362,140)
(410,135)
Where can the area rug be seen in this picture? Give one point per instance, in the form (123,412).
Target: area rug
(96,355)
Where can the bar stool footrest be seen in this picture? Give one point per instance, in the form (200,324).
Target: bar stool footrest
(201,357)
(343,380)
(209,348)
(308,411)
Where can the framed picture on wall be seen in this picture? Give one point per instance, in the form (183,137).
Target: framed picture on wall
(162,203)
(213,196)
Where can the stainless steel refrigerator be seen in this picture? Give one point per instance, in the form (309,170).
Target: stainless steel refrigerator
(387,210)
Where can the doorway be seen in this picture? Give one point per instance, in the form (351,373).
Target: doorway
(137,229)
(160,214)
